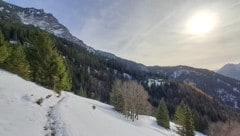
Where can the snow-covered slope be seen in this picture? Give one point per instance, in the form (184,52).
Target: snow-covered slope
(19,114)
(68,115)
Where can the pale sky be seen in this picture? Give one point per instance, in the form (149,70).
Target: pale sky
(198,33)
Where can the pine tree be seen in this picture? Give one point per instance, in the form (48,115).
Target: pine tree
(184,118)
(48,67)
(189,122)
(116,98)
(162,114)
(4,50)
(17,62)
(179,118)
(197,119)
(179,114)
(82,92)
(59,73)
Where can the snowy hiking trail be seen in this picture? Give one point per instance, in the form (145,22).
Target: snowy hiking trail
(51,125)
(67,115)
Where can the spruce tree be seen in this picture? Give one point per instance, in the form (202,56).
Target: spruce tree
(17,63)
(196,120)
(4,49)
(59,73)
(189,122)
(116,98)
(179,118)
(82,92)
(163,115)
(48,67)
(179,114)
(183,117)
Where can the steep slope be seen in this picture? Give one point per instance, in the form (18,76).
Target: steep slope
(230,70)
(68,115)
(37,18)
(19,114)
(224,89)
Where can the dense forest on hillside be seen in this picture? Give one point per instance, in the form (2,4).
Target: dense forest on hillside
(32,54)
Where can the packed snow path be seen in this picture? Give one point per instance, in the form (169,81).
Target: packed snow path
(67,115)
(20,115)
(52,127)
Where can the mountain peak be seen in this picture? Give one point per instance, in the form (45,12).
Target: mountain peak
(37,18)
(230,70)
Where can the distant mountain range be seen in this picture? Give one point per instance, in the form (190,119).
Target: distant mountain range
(230,70)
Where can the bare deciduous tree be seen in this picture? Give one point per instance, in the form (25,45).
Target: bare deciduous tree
(229,128)
(135,99)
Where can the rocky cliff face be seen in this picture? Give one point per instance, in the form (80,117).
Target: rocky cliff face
(37,18)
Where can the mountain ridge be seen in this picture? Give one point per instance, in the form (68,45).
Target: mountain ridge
(38,18)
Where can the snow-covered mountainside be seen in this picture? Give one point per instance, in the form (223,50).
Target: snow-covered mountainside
(230,70)
(67,115)
(37,18)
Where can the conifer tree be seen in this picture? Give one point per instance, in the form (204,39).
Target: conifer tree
(59,73)
(82,92)
(17,63)
(49,68)
(116,98)
(162,114)
(179,114)
(4,50)
(183,117)
(189,122)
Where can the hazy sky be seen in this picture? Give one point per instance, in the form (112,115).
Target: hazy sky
(199,33)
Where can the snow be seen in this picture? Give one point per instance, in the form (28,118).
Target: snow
(115,71)
(13,42)
(225,96)
(177,73)
(127,76)
(38,13)
(77,112)
(67,115)
(42,24)
(58,32)
(236,105)
(19,114)
(1,8)
(157,82)
(90,50)
(236,90)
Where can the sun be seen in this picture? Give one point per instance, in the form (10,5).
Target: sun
(201,23)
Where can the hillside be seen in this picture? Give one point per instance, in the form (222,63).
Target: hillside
(67,115)
(221,88)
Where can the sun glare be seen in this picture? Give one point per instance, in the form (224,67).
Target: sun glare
(201,23)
